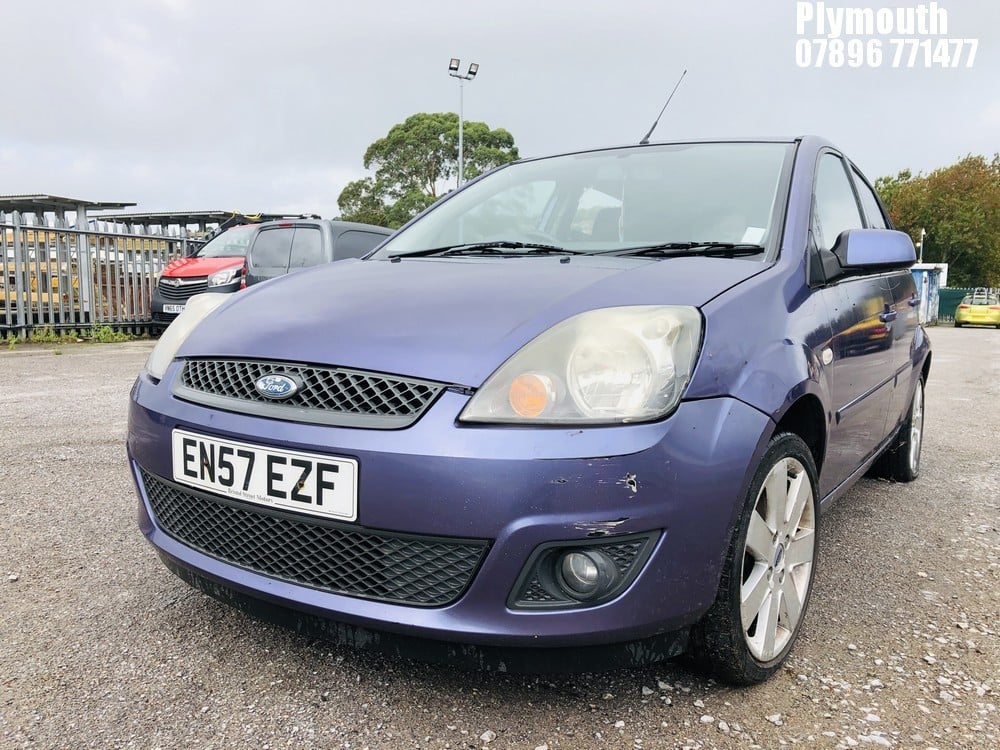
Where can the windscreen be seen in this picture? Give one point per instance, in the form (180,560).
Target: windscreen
(232,243)
(615,199)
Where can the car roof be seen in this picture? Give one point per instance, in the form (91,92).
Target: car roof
(814,141)
(335,224)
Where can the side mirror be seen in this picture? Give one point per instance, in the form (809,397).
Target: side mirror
(861,249)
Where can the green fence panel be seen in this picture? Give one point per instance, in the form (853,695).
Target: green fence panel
(948,300)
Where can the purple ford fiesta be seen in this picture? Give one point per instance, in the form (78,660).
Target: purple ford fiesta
(583,412)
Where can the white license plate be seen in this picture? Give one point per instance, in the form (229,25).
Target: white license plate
(173,308)
(304,482)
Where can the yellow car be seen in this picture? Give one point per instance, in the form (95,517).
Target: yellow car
(979,309)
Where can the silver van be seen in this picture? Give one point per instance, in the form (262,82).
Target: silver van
(280,247)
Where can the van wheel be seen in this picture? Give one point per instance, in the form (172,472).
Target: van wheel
(768,573)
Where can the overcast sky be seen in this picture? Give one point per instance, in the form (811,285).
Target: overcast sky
(181,105)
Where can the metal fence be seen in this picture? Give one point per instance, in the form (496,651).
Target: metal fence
(62,278)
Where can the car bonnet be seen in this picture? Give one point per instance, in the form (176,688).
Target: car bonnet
(453,320)
(198,266)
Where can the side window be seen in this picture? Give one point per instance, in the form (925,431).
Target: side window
(270,249)
(307,248)
(834,207)
(354,244)
(869,202)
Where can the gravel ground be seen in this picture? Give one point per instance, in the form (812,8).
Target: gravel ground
(101,647)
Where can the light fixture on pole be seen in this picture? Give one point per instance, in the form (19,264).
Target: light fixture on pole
(453,66)
(923,233)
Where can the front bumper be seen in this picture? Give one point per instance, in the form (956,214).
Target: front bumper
(517,488)
(545,660)
(158,300)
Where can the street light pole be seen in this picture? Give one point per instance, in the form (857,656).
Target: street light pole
(461,128)
(453,66)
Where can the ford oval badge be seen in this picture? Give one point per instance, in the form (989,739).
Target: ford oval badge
(276,387)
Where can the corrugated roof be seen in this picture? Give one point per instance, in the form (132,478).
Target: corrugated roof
(35,203)
(166,218)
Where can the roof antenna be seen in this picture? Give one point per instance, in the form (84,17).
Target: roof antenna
(645,138)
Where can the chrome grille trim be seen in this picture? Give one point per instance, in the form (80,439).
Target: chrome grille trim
(187,288)
(329,395)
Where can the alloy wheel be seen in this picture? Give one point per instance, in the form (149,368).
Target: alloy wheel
(778,559)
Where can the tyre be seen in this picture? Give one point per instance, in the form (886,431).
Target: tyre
(957,324)
(768,573)
(901,460)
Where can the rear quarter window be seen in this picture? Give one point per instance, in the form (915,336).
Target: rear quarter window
(354,243)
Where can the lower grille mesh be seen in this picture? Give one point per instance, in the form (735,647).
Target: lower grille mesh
(422,571)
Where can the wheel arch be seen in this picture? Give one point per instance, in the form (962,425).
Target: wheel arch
(806,418)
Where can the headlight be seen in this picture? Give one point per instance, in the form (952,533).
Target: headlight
(196,310)
(225,276)
(613,365)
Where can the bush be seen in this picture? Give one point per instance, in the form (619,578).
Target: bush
(108,335)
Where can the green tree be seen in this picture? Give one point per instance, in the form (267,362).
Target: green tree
(414,164)
(888,187)
(959,207)
(360,201)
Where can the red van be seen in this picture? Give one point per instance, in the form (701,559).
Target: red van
(217,266)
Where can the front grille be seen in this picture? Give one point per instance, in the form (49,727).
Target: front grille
(328,395)
(334,557)
(187,289)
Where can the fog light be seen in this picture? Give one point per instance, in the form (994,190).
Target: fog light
(580,573)
(587,573)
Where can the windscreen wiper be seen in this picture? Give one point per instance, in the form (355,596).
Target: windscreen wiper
(679,249)
(497,247)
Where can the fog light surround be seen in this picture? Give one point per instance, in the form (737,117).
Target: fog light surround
(567,575)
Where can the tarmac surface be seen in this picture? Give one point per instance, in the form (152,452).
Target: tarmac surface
(101,647)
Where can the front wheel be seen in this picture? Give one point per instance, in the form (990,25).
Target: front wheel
(767,578)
